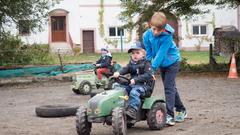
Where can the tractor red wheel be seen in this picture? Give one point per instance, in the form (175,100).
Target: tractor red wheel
(156,117)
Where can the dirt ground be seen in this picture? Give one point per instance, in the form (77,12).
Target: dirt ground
(213,105)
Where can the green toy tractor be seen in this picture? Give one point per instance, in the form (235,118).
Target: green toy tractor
(83,82)
(109,108)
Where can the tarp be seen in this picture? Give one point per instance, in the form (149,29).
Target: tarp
(48,70)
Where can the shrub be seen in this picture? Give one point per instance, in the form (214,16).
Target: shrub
(185,67)
(9,47)
(76,51)
(14,52)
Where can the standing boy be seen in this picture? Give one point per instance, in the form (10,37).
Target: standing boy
(163,53)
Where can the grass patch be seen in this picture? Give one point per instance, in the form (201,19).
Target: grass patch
(123,58)
(196,57)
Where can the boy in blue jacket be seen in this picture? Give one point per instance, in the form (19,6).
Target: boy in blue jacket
(164,54)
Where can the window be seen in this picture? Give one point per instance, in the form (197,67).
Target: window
(120,31)
(195,30)
(112,31)
(199,29)
(23,27)
(203,29)
(116,31)
(58,23)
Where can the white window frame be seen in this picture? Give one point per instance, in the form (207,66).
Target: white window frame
(116,31)
(199,29)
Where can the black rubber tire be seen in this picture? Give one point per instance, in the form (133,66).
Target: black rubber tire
(119,122)
(83,127)
(55,110)
(76,91)
(151,117)
(82,85)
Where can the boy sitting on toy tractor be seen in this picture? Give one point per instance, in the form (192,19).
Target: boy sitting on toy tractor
(103,65)
(141,78)
(114,108)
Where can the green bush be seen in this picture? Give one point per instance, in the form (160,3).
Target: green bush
(39,53)
(14,52)
(9,47)
(76,51)
(185,67)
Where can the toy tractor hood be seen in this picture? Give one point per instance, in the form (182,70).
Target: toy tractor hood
(103,103)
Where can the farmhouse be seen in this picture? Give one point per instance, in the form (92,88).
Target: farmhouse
(91,25)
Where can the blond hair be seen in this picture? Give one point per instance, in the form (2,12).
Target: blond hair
(159,20)
(143,51)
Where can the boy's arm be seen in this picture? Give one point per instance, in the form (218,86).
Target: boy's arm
(147,45)
(147,74)
(162,52)
(124,70)
(98,61)
(106,62)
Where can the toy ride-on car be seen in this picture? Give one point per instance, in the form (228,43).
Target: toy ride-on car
(83,82)
(109,107)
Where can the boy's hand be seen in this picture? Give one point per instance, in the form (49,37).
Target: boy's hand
(132,82)
(98,65)
(154,78)
(116,74)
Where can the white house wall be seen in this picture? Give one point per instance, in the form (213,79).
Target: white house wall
(223,17)
(43,37)
(83,15)
(89,11)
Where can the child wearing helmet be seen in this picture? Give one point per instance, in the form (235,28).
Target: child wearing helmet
(104,63)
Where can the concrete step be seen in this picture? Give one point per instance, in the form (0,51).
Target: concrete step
(61,47)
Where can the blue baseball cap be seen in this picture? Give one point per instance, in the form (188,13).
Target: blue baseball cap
(135,46)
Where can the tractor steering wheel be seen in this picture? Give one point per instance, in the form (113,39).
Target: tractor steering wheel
(122,80)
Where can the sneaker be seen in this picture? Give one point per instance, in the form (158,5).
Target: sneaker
(100,82)
(180,116)
(132,113)
(170,121)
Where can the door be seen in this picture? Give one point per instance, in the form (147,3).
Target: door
(58,25)
(88,41)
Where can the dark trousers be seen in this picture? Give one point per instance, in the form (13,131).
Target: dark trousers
(171,94)
(135,92)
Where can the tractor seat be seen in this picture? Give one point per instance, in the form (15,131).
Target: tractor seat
(147,95)
(149,90)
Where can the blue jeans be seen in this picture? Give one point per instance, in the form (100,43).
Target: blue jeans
(135,92)
(171,94)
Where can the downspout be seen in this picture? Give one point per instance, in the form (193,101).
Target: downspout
(238,17)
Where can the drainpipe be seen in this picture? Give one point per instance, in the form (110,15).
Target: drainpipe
(238,17)
(121,33)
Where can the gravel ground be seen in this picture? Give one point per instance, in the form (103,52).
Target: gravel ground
(213,105)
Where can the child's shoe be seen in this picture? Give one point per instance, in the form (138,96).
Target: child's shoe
(100,82)
(132,113)
(170,120)
(180,116)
